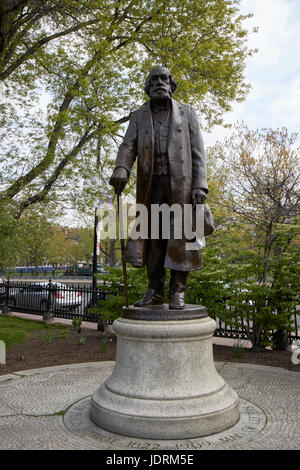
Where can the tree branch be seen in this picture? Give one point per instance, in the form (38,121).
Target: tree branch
(35,47)
(56,173)
(60,121)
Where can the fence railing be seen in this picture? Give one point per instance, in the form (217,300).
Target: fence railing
(62,300)
(225,329)
(74,300)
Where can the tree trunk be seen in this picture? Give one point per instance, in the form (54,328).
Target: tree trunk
(281,341)
(256,336)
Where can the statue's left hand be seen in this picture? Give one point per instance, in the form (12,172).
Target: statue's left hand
(198,196)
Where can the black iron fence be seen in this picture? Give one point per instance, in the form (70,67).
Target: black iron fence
(228,329)
(75,301)
(61,300)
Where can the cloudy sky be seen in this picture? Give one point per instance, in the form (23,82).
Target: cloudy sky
(273,72)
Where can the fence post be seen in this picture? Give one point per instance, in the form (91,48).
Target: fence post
(47,315)
(5,307)
(101,324)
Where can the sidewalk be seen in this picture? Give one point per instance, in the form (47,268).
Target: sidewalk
(49,409)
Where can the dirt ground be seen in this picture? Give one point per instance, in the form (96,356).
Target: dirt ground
(51,349)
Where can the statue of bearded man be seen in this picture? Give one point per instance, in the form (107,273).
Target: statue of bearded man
(165,137)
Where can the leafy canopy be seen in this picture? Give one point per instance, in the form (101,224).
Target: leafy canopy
(73,70)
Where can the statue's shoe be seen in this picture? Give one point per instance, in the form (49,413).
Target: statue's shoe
(151,298)
(177,301)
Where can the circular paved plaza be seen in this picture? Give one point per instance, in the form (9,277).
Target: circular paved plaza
(49,409)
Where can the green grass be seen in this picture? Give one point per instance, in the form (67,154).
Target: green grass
(14,331)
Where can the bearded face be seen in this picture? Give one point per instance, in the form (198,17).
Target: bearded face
(159,84)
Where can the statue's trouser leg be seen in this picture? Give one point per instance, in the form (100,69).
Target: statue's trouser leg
(155,265)
(178,281)
(177,288)
(160,194)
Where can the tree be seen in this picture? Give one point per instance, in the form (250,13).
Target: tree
(63,249)
(262,196)
(85,238)
(8,239)
(35,233)
(90,57)
(264,185)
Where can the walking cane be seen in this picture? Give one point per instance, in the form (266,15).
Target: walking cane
(121,235)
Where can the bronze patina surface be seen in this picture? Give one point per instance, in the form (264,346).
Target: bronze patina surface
(163,313)
(165,138)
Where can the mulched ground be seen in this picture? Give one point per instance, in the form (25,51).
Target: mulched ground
(44,350)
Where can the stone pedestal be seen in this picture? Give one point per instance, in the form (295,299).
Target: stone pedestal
(164,384)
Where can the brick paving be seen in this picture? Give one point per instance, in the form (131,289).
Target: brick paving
(49,409)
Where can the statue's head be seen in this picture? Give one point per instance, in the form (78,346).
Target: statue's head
(160,84)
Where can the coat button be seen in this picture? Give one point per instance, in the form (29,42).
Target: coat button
(179,129)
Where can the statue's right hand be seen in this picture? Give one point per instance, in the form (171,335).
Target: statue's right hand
(119,179)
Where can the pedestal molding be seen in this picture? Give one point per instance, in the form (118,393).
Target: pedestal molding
(164,384)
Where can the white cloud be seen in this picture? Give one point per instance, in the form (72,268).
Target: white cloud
(287,104)
(273,72)
(277,27)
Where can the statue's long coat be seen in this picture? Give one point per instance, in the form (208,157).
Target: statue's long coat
(187,167)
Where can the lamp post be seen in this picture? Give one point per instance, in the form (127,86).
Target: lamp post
(94,281)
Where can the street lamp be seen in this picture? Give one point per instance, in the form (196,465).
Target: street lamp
(94,281)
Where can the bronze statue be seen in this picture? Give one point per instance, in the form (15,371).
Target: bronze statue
(165,136)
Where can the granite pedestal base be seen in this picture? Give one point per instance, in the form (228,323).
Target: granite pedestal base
(164,384)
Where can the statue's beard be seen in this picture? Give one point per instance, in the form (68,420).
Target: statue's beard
(160,96)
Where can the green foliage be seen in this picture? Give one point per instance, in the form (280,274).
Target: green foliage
(251,273)
(255,248)
(63,334)
(35,232)
(25,240)
(85,239)
(104,344)
(113,284)
(8,239)
(47,338)
(81,340)
(238,349)
(228,287)
(36,239)
(87,60)
(76,322)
